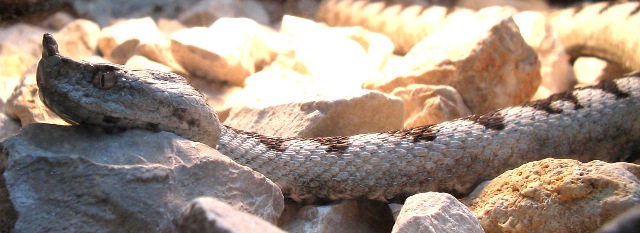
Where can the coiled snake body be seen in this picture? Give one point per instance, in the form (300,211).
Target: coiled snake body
(598,122)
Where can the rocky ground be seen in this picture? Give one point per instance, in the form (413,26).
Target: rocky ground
(285,76)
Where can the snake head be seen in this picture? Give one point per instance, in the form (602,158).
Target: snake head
(114,96)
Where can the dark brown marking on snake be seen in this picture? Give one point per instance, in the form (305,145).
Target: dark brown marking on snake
(634,11)
(110,120)
(545,104)
(606,7)
(612,88)
(273,143)
(578,8)
(417,134)
(491,120)
(334,144)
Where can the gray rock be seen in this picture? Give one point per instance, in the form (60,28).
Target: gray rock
(104,12)
(212,215)
(8,126)
(63,178)
(627,222)
(347,216)
(435,212)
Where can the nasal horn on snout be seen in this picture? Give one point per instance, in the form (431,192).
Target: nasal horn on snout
(49,46)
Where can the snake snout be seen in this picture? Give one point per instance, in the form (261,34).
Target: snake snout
(49,46)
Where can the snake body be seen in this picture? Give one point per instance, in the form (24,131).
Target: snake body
(603,29)
(599,122)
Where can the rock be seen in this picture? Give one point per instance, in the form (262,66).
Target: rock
(8,214)
(206,12)
(78,39)
(405,25)
(229,50)
(329,115)
(627,222)
(435,212)
(63,178)
(556,195)
(347,216)
(8,127)
(118,42)
(140,62)
(430,104)
(169,26)
(25,104)
(207,214)
(220,96)
(590,70)
(557,75)
(104,12)
(14,63)
(58,20)
(395,209)
(160,52)
(485,60)
(333,63)
(25,37)
(378,46)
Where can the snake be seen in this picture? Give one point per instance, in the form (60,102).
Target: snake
(599,29)
(596,122)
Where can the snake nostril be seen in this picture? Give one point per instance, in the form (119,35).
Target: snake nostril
(104,80)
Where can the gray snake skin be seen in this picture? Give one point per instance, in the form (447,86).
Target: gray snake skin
(599,122)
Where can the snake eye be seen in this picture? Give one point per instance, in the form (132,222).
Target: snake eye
(104,80)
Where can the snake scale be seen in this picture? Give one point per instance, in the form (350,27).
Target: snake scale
(598,122)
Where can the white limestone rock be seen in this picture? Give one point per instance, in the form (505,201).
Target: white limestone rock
(487,61)
(435,212)
(118,42)
(206,214)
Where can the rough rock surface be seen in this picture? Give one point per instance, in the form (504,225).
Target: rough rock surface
(227,51)
(8,127)
(487,61)
(589,70)
(556,73)
(333,115)
(118,42)
(14,63)
(25,105)
(208,214)
(141,62)
(352,58)
(78,39)
(347,216)
(134,181)
(556,195)
(627,222)
(24,36)
(435,212)
(430,104)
